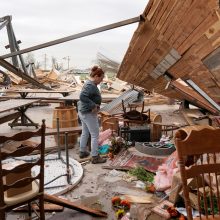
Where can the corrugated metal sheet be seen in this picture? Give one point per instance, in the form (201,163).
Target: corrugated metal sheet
(115,106)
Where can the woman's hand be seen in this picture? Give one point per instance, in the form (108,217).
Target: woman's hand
(96,109)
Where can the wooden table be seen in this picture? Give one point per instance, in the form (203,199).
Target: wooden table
(24,92)
(21,105)
(74,98)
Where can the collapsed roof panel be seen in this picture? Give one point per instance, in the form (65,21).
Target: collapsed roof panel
(176,40)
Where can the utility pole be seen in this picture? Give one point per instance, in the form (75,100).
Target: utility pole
(45,61)
(68,61)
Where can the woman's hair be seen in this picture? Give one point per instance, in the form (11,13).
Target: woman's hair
(96,71)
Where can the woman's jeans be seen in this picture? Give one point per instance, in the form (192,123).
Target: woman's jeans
(90,125)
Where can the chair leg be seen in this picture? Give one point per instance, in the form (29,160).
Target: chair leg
(41,207)
(2,215)
(29,209)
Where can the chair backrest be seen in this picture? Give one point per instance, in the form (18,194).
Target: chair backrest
(111,123)
(198,150)
(23,166)
(140,117)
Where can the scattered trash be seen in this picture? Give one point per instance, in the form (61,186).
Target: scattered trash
(150,188)
(121,206)
(182,210)
(165,172)
(119,213)
(142,174)
(129,178)
(104,149)
(117,144)
(126,216)
(116,201)
(140,184)
(137,199)
(174,213)
(125,204)
(104,136)
(115,173)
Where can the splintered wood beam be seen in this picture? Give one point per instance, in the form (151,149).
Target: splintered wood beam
(71,205)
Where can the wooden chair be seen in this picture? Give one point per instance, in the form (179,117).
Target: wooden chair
(198,150)
(111,123)
(17,185)
(134,116)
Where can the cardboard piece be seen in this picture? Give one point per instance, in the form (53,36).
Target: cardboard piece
(13,177)
(176,186)
(193,200)
(192,182)
(161,209)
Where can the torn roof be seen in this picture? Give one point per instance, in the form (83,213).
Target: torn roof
(177,39)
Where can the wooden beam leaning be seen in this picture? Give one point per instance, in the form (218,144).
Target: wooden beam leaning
(21,74)
(75,36)
(71,205)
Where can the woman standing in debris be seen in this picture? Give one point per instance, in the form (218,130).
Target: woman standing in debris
(88,107)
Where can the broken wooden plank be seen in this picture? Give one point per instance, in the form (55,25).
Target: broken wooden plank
(138,199)
(71,205)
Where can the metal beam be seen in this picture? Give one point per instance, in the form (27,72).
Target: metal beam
(12,43)
(75,36)
(3,24)
(196,88)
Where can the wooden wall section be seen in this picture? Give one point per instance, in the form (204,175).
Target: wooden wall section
(178,37)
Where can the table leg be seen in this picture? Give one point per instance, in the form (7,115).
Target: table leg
(24,119)
(15,121)
(65,94)
(67,159)
(23,94)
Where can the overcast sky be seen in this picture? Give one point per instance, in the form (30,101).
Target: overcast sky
(39,21)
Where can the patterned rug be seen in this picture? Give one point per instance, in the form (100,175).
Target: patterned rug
(131,159)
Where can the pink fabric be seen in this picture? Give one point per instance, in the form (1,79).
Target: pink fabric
(103,136)
(165,172)
(161,182)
